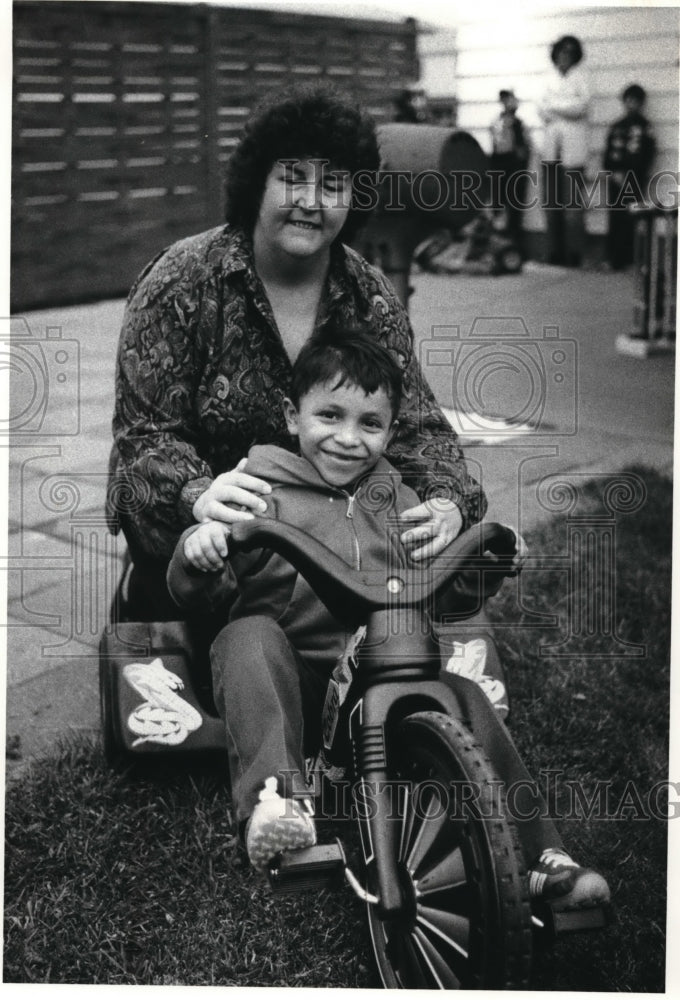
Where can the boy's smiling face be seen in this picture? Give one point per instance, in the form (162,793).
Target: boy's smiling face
(342,430)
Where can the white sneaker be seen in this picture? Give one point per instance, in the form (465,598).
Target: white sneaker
(557,878)
(278,824)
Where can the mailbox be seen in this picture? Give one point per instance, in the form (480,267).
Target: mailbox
(430,177)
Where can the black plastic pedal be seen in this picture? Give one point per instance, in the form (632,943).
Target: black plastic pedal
(554,923)
(319,867)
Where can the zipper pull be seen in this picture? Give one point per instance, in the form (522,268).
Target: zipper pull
(350,505)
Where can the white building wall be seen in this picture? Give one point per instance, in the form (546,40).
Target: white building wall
(622,45)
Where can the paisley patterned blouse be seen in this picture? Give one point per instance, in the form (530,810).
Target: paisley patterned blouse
(202,373)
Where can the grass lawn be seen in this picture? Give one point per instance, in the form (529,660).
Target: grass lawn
(138,878)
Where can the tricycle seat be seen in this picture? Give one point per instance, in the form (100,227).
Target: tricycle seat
(148,691)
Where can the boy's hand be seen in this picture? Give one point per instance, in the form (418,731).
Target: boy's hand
(440,522)
(206,548)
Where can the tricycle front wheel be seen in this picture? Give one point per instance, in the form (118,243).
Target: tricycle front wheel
(467,919)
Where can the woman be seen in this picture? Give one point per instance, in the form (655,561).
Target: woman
(564,112)
(213,325)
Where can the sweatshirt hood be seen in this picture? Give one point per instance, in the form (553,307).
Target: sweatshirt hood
(281,467)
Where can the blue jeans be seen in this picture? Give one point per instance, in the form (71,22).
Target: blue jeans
(271,701)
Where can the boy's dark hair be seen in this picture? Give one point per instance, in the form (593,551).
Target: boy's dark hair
(306,121)
(635,91)
(350,355)
(573,43)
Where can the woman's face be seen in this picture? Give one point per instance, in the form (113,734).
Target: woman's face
(304,207)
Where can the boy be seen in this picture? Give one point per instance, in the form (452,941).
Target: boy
(628,159)
(510,157)
(281,643)
(273,660)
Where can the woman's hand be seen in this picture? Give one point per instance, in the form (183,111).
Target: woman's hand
(232,496)
(206,548)
(439,522)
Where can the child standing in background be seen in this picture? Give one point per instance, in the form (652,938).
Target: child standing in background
(628,159)
(509,157)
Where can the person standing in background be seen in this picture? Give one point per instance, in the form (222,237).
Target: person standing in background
(411,106)
(628,157)
(510,156)
(564,112)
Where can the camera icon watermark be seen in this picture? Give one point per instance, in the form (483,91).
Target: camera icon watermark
(504,379)
(41,376)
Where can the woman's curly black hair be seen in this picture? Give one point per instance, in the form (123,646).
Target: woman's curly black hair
(307,121)
(573,43)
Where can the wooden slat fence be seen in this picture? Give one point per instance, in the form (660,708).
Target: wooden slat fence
(124,115)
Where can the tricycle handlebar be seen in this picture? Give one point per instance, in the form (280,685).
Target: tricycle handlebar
(350,594)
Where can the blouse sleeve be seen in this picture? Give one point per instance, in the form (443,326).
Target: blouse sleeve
(157,470)
(425,449)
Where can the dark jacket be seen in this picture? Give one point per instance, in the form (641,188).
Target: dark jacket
(630,147)
(359,527)
(510,145)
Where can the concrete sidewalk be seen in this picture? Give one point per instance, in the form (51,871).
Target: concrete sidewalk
(537,348)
